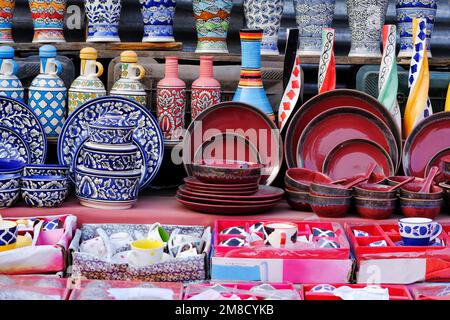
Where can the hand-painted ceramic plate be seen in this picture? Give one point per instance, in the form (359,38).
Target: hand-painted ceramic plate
(194,182)
(427,139)
(336,126)
(147,136)
(12,146)
(333,99)
(18,117)
(225,202)
(244,120)
(353,157)
(438,161)
(263,193)
(226,210)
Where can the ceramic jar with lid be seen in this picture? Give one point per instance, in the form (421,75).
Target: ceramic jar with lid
(88,85)
(129,84)
(108,177)
(10,85)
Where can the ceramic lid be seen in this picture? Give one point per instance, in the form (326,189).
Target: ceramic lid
(88,53)
(47,51)
(128,56)
(6,52)
(113,120)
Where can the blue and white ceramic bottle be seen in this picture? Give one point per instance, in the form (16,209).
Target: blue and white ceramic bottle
(103,20)
(48,93)
(10,85)
(158,20)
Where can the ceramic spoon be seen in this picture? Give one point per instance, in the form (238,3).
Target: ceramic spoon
(362,179)
(398,185)
(429,180)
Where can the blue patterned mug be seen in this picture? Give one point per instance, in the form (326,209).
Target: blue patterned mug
(8,233)
(418,231)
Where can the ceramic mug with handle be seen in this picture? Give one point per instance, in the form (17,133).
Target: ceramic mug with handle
(145,252)
(280,234)
(418,231)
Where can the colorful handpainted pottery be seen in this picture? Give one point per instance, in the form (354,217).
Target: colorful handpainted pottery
(48,20)
(43,198)
(88,85)
(19,118)
(158,20)
(6,13)
(8,197)
(45,170)
(10,85)
(212,21)
(129,84)
(48,93)
(44,182)
(10,181)
(103,20)
(12,145)
(147,136)
(234,231)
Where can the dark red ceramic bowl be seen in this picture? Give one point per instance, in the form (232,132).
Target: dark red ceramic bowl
(374,191)
(375,208)
(329,190)
(376,177)
(298,200)
(421,208)
(330,207)
(447,168)
(411,191)
(392,181)
(301,178)
(227,172)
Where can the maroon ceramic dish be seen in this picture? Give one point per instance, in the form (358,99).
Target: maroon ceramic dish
(330,207)
(375,208)
(263,193)
(298,200)
(194,182)
(224,192)
(394,180)
(411,191)
(439,161)
(211,200)
(227,172)
(329,190)
(300,178)
(421,208)
(374,191)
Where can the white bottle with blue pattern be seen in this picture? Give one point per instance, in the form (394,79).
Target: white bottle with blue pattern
(10,85)
(48,94)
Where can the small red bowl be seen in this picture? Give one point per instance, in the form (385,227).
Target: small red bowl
(298,200)
(394,180)
(301,178)
(329,190)
(375,208)
(411,191)
(374,191)
(227,172)
(421,208)
(330,207)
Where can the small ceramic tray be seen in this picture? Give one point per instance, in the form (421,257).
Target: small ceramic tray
(396,292)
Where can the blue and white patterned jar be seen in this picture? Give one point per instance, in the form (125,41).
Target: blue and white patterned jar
(407,10)
(112,129)
(112,158)
(103,20)
(10,85)
(265,15)
(312,16)
(158,20)
(48,93)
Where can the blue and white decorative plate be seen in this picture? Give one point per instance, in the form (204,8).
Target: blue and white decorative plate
(12,146)
(147,136)
(18,117)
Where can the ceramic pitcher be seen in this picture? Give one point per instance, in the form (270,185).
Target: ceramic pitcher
(6,15)
(205,91)
(158,20)
(88,85)
(366,19)
(171,101)
(129,84)
(10,85)
(212,21)
(48,20)
(48,94)
(265,15)
(407,10)
(103,20)
(312,16)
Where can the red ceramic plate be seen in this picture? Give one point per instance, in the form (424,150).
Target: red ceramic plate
(226,210)
(427,139)
(336,126)
(332,99)
(237,192)
(438,161)
(225,202)
(263,193)
(242,119)
(353,157)
(194,182)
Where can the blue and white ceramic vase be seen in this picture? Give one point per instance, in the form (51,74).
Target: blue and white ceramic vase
(265,15)
(109,177)
(158,20)
(251,89)
(10,85)
(312,16)
(103,20)
(407,10)
(48,93)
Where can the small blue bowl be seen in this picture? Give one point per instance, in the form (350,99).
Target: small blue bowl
(45,170)
(9,197)
(45,182)
(10,181)
(11,166)
(44,198)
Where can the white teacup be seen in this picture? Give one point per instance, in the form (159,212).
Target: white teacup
(280,234)
(95,246)
(145,252)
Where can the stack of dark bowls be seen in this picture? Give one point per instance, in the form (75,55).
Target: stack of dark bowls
(375,201)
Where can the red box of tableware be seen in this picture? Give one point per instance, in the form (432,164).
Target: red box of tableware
(382,257)
(33,287)
(325,292)
(243,252)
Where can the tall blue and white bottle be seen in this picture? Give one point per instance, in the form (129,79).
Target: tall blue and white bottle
(48,93)
(10,85)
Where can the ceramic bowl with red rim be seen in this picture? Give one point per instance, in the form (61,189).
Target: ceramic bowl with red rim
(411,191)
(227,172)
(374,191)
(421,208)
(394,180)
(298,200)
(370,208)
(330,207)
(301,178)
(329,190)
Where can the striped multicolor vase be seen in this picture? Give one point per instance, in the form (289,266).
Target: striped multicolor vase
(418,106)
(447,100)
(327,64)
(388,75)
(6,16)
(250,89)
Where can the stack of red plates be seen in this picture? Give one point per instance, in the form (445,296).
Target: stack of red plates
(227,199)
